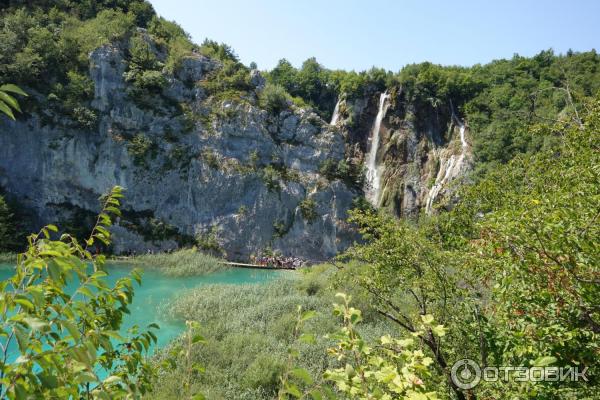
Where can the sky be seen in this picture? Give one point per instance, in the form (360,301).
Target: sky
(354,34)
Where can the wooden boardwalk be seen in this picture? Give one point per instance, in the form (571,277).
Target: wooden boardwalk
(253,266)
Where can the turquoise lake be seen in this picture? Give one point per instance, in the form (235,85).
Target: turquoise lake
(158,289)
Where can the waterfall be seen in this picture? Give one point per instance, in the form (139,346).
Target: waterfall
(336,113)
(463,141)
(373,183)
(449,170)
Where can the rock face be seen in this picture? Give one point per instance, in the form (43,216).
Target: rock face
(423,153)
(225,173)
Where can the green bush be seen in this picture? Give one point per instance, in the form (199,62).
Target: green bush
(7,227)
(280,228)
(209,241)
(308,208)
(153,81)
(349,172)
(179,48)
(271,177)
(274,98)
(250,327)
(140,148)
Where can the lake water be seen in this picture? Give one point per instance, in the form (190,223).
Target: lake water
(158,289)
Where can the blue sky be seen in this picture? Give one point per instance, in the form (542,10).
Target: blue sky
(353,34)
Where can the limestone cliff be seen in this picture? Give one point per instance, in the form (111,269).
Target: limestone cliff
(221,172)
(423,151)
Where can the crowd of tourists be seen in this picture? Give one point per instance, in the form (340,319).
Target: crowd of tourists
(276,261)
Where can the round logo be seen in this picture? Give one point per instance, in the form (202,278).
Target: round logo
(466,374)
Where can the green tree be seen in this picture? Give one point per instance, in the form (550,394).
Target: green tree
(407,276)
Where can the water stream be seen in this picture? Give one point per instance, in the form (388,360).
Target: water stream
(373,178)
(449,169)
(336,113)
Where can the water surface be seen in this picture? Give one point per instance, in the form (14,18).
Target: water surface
(158,289)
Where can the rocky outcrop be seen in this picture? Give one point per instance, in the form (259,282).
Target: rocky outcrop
(423,152)
(223,173)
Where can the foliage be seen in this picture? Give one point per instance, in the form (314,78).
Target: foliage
(7,228)
(280,228)
(65,339)
(140,148)
(184,262)
(273,98)
(7,102)
(349,172)
(533,224)
(108,26)
(408,276)
(271,177)
(391,369)
(181,355)
(209,241)
(308,208)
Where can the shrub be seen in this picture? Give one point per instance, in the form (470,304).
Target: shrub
(152,81)
(211,158)
(209,241)
(7,226)
(271,178)
(274,98)
(106,27)
(350,173)
(140,148)
(178,49)
(85,117)
(280,228)
(308,208)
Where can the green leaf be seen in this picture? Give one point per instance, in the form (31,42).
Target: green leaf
(303,375)
(112,379)
(306,315)
(544,361)
(25,303)
(307,338)
(6,110)
(293,390)
(36,324)
(72,328)
(8,99)
(198,338)
(9,87)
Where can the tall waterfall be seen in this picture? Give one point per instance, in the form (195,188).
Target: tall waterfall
(373,184)
(449,169)
(336,113)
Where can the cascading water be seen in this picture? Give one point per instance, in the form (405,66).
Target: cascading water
(449,170)
(372,184)
(336,113)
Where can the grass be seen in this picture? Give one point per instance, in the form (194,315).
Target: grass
(8,258)
(248,330)
(185,262)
